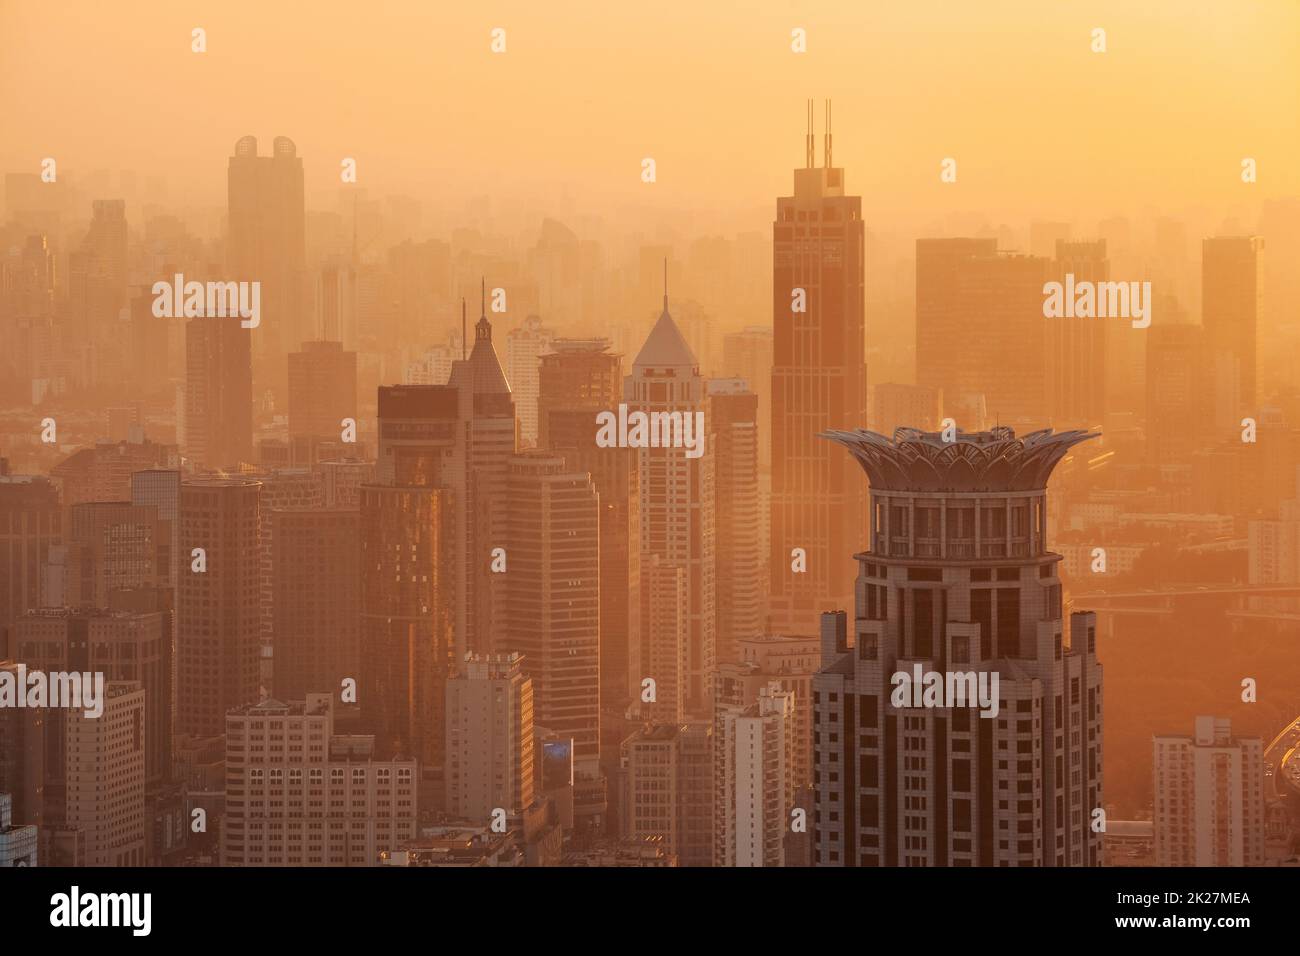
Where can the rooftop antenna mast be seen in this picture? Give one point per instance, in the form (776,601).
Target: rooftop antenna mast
(462,327)
(828,135)
(808,140)
(665,283)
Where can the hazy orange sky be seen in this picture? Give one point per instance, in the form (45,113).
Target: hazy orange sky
(1039,124)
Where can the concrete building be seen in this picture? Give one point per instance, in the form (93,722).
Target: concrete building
(754,775)
(298,794)
(106,757)
(668,777)
(489,726)
(1209,797)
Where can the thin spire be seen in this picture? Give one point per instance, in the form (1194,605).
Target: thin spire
(808,139)
(463,332)
(828,135)
(482,297)
(665,283)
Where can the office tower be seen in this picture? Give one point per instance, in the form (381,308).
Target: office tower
(747,355)
(218,607)
(490,436)
(218,392)
(577,381)
(281,488)
(18,844)
(489,738)
(1178,391)
(103,472)
(123,646)
(411,572)
(106,776)
(819,381)
(789,663)
(1076,346)
(161,489)
(300,795)
(907,406)
(30,522)
(963,284)
(24,741)
(97,276)
(754,774)
(552,572)
(733,422)
(1003,767)
(525,347)
(111,545)
(662,643)
(1230,316)
(676,491)
(267,241)
(315,599)
(322,390)
(668,775)
(1209,797)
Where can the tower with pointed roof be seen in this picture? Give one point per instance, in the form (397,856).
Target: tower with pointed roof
(676,504)
(490,434)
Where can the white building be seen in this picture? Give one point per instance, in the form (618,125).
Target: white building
(1209,797)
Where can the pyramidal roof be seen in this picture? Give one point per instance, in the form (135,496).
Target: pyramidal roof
(665,346)
(483,366)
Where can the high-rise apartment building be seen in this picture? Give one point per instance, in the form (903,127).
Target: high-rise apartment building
(747,355)
(957,592)
(819,381)
(1209,797)
(740,596)
(754,775)
(218,602)
(218,392)
(298,794)
(489,728)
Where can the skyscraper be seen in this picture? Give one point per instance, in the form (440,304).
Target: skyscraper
(30,522)
(819,381)
(733,422)
(1003,766)
(676,491)
(1076,346)
(966,283)
(1230,316)
(489,436)
(267,243)
(525,346)
(552,583)
(578,380)
(218,607)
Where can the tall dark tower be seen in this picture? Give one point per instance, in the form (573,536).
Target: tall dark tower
(819,381)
